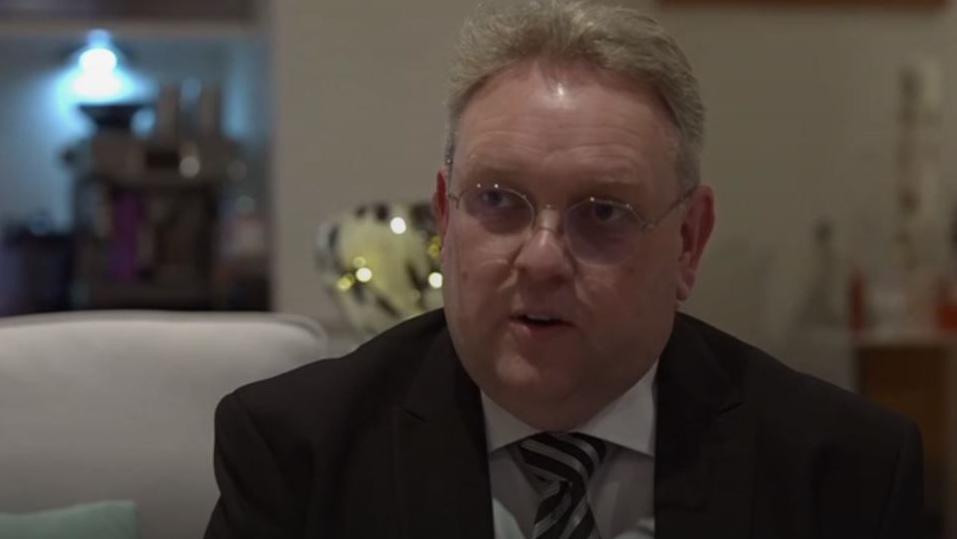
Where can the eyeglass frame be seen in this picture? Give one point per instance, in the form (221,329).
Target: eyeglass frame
(644,224)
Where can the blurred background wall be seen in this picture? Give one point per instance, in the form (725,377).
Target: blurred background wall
(803,106)
(360,87)
(803,126)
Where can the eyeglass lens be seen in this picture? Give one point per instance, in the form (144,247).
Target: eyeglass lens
(594,229)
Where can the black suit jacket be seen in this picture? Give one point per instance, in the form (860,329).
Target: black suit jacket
(389,442)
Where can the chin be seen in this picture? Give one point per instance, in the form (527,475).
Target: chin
(531,381)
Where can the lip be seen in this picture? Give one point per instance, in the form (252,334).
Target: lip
(540,312)
(525,329)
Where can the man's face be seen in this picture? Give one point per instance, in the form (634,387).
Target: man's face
(547,333)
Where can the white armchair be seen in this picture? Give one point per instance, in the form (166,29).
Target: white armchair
(119,405)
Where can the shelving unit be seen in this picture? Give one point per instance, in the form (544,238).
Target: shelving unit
(216,20)
(215,10)
(916,375)
(153,259)
(145,242)
(129,29)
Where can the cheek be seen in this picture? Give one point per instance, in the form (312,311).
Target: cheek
(634,290)
(473,277)
(628,312)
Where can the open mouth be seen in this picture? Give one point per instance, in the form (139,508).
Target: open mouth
(539,321)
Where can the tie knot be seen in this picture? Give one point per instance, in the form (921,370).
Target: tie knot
(563,457)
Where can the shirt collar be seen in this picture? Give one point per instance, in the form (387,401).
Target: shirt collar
(628,421)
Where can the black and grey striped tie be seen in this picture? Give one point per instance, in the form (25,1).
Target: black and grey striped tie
(563,462)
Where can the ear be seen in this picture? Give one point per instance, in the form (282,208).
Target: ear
(440,201)
(695,232)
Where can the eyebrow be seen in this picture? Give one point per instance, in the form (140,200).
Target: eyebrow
(612,177)
(610,184)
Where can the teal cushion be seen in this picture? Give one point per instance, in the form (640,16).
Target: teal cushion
(100,520)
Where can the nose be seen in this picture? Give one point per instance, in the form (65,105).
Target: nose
(543,257)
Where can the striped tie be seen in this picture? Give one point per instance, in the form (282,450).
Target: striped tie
(563,462)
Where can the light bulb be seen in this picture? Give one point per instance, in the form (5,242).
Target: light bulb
(98,60)
(398,225)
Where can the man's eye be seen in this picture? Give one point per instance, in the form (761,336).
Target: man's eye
(496,199)
(606,212)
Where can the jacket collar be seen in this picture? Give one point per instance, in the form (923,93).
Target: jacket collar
(705,441)
(704,446)
(440,451)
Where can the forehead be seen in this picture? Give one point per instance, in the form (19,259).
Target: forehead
(567,121)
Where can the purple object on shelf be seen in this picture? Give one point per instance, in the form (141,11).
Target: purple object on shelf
(128,214)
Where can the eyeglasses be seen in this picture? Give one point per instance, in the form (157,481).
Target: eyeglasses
(595,229)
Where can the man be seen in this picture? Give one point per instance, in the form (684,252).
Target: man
(558,394)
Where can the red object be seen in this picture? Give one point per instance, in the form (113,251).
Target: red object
(947,307)
(857,304)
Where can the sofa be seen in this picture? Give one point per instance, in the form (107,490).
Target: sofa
(119,406)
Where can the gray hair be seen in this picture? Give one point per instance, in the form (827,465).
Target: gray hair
(617,39)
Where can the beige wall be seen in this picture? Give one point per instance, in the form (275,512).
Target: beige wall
(803,107)
(359,92)
(802,110)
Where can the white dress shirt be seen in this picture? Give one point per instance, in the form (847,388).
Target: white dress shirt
(621,493)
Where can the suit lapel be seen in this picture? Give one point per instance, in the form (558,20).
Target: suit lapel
(440,452)
(705,444)
(704,448)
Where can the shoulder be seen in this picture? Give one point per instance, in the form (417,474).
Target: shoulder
(330,394)
(821,454)
(796,406)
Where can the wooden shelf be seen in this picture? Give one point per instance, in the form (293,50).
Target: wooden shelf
(896,4)
(915,338)
(131,30)
(918,378)
(141,295)
(178,10)
(155,181)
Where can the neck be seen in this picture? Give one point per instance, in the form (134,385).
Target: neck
(563,414)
